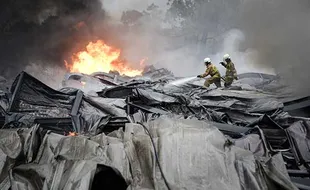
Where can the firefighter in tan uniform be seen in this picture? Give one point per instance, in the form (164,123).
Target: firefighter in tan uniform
(231,73)
(213,72)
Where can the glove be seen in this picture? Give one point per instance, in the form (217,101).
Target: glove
(198,76)
(236,78)
(222,63)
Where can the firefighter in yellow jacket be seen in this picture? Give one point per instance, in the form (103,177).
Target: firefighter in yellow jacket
(213,72)
(231,73)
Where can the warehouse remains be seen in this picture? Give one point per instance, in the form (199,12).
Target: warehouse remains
(155,131)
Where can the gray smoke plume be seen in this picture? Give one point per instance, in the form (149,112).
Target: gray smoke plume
(180,35)
(261,36)
(279,30)
(44,32)
(269,36)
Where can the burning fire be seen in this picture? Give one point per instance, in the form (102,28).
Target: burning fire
(72,134)
(99,57)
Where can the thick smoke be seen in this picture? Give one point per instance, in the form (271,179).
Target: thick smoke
(178,36)
(154,37)
(115,8)
(50,74)
(270,36)
(279,30)
(261,36)
(43,33)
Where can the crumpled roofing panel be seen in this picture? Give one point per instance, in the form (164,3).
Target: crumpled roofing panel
(192,153)
(244,139)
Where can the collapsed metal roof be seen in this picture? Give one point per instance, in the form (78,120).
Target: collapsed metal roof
(240,137)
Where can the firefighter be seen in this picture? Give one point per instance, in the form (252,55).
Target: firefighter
(231,73)
(213,72)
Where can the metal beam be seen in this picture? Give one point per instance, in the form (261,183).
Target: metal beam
(298,173)
(17,88)
(77,103)
(148,109)
(75,110)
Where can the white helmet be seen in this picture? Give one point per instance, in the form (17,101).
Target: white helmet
(226,56)
(207,60)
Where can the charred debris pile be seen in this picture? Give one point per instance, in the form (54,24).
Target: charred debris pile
(152,132)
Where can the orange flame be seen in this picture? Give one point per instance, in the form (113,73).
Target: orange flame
(99,57)
(72,134)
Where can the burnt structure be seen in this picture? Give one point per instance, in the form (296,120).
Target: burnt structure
(250,118)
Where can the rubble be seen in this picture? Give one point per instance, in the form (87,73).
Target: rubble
(151,132)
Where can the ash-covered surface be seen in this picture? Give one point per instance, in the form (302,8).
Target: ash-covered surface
(238,138)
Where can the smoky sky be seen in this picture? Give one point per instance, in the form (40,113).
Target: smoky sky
(270,34)
(279,30)
(48,30)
